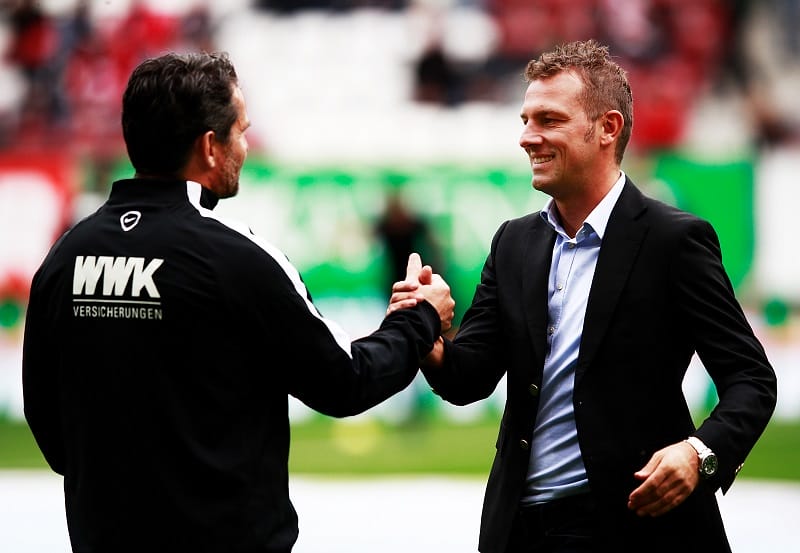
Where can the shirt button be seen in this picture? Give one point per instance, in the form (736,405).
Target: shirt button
(559,286)
(534,390)
(551,329)
(524,445)
(572,245)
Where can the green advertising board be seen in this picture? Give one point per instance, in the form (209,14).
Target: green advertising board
(722,193)
(324,218)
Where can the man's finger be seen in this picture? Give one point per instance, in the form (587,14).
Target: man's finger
(425,275)
(405,286)
(401,304)
(414,267)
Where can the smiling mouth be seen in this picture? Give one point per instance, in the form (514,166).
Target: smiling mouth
(541,159)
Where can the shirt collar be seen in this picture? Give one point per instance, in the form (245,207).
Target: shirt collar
(201,195)
(598,218)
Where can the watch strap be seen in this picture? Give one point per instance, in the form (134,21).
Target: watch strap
(698,445)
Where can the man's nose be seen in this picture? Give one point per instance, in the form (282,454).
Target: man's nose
(529,137)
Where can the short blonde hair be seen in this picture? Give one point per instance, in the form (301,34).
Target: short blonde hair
(605,83)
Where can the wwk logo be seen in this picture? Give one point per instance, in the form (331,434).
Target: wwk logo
(117,273)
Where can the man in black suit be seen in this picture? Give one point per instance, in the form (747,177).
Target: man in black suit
(593,308)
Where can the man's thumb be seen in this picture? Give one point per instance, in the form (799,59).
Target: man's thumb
(414,267)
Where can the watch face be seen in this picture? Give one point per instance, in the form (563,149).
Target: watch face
(708,465)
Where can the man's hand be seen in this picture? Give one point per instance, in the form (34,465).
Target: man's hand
(406,293)
(422,284)
(667,480)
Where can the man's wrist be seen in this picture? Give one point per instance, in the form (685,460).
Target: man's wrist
(435,358)
(708,462)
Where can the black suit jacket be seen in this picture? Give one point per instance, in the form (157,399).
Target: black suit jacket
(659,294)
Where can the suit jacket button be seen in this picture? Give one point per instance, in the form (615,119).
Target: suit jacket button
(524,445)
(534,390)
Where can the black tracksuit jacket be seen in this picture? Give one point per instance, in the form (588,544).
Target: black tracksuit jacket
(161,343)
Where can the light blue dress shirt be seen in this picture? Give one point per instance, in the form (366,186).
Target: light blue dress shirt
(556,468)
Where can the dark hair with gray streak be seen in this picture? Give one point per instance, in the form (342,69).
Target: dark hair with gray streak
(169,102)
(605,83)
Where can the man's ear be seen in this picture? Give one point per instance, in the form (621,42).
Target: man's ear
(613,121)
(207,149)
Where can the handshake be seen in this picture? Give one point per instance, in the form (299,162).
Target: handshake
(422,284)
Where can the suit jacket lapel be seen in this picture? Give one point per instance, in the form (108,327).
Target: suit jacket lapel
(537,257)
(621,243)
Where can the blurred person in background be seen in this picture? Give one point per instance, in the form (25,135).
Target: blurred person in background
(436,80)
(402,231)
(594,308)
(161,341)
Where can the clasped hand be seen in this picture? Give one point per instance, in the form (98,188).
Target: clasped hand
(422,284)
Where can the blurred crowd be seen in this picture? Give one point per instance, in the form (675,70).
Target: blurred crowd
(72,70)
(72,67)
(675,51)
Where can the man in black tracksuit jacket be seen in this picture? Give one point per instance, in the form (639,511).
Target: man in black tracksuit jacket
(161,341)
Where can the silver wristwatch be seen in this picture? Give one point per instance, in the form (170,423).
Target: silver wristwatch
(708,460)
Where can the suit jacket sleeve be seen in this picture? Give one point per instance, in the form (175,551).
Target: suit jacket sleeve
(725,343)
(475,362)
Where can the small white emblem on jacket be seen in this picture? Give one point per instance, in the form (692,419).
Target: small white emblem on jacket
(129,220)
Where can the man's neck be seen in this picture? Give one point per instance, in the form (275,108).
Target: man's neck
(573,211)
